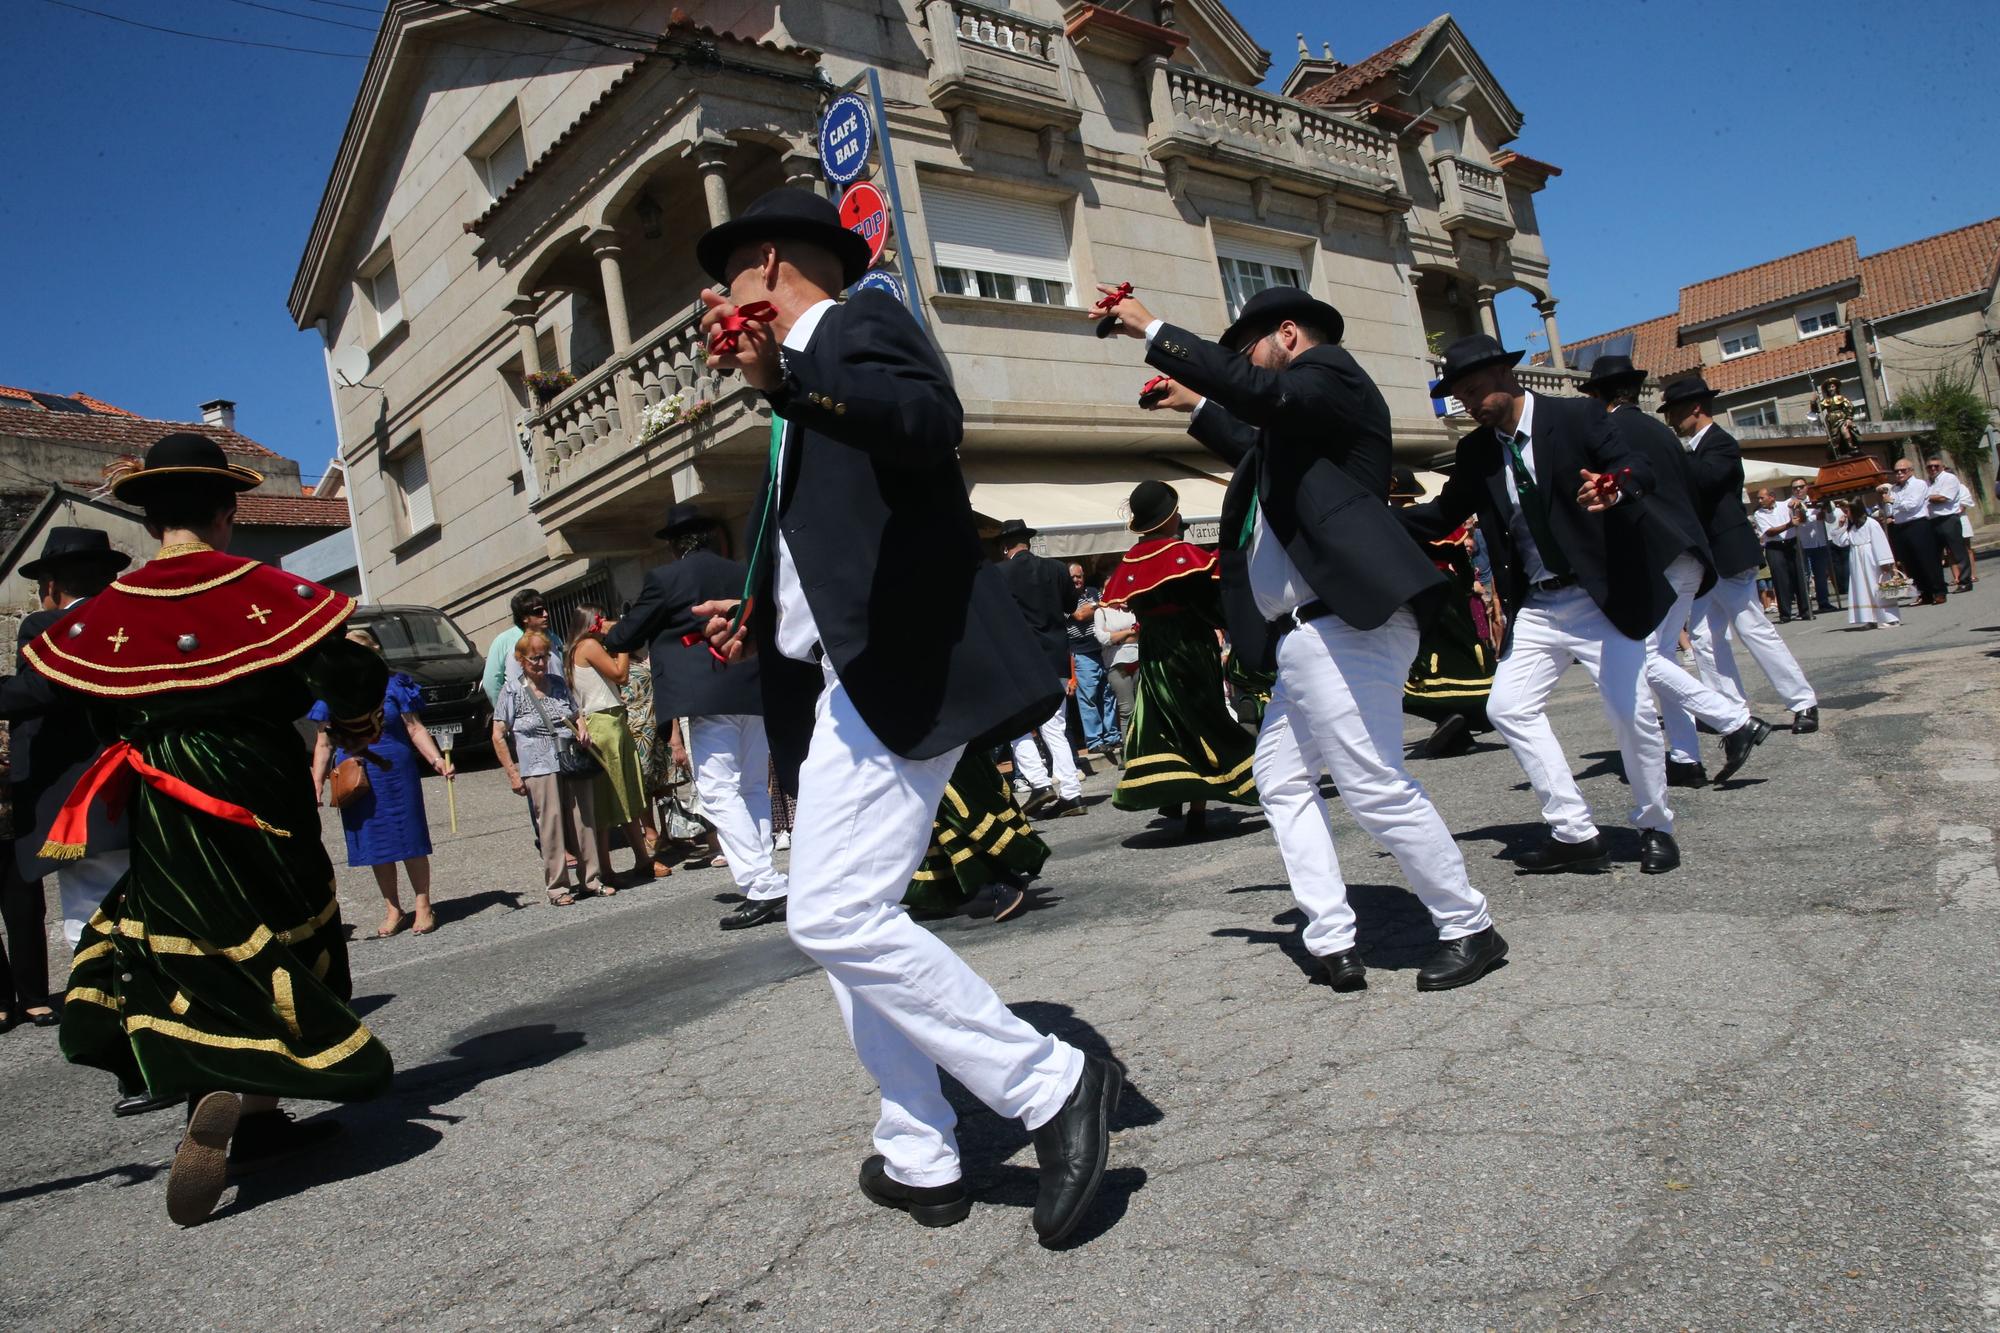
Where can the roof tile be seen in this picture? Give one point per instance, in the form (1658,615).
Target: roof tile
(258,510)
(1349,83)
(1937,268)
(119,434)
(1656,347)
(1777,363)
(1775,280)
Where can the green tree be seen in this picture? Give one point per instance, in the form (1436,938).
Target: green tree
(1958,416)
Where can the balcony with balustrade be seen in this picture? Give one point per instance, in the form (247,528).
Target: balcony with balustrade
(1249,134)
(1472,199)
(992,64)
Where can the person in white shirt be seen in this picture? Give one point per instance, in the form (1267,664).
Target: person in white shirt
(1870,561)
(1118,631)
(1824,572)
(1911,535)
(1947,499)
(1777,533)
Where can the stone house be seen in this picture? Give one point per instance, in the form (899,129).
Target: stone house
(506,246)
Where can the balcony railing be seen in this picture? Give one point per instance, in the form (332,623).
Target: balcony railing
(1472,199)
(996,64)
(587,423)
(1550,381)
(1247,132)
(1813,430)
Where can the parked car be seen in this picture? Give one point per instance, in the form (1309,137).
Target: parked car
(425,644)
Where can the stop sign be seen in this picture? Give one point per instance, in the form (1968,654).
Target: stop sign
(864,212)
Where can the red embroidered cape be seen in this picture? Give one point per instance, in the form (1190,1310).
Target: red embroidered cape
(186,622)
(1153,562)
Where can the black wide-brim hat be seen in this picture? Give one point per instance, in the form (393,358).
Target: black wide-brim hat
(1608,372)
(786,213)
(181,457)
(1473,352)
(1403,484)
(74,548)
(1273,306)
(1687,389)
(1152,503)
(1014,530)
(683,518)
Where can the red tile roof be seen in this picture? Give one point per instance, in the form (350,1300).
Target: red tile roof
(1938,268)
(1656,347)
(123,434)
(94,404)
(1349,83)
(99,405)
(1776,280)
(258,510)
(1777,363)
(1507,160)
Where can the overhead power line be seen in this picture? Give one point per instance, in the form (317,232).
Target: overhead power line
(205,36)
(310,18)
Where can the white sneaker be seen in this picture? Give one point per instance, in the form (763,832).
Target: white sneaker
(782,840)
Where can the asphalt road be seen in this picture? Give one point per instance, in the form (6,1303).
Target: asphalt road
(1763,1091)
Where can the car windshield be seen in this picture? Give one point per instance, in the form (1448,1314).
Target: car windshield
(415,636)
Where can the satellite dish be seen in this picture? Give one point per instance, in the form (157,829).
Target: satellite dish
(350,363)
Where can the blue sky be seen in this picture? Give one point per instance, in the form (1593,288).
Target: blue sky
(158,190)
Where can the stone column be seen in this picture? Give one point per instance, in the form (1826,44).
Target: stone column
(1489,323)
(1547,310)
(710,153)
(604,243)
(521,312)
(802,170)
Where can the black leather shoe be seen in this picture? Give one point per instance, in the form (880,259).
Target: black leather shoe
(142,1103)
(1686,775)
(1738,744)
(1558,857)
(1067,808)
(755,912)
(1806,722)
(46,1019)
(1344,970)
(1071,1149)
(927,1205)
(1658,852)
(1037,798)
(1462,961)
(1452,736)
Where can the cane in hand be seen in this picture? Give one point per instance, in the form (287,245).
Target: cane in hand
(450,779)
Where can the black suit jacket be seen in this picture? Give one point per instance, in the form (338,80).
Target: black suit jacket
(687,680)
(1607,551)
(1671,522)
(915,620)
(1041,587)
(1717,469)
(52,744)
(1311,443)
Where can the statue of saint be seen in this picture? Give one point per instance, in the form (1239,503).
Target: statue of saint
(1836,413)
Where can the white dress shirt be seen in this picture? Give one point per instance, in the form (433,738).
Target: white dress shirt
(1777,516)
(1811,529)
(1517,520)
(1910,501)
(797,631)
(1693,442)
(1947,496)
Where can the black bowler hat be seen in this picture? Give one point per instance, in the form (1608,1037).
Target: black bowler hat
(786,213)
(1152,504)
(1687,389)
(1473,352)
(683,518)
(182,456)
(1609,372)
(1403,484)
(1013,530)
(1273,306)
(85,547)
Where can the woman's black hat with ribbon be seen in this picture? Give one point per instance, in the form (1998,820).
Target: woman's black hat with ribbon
(786,213)
(178,458)
(1152,503)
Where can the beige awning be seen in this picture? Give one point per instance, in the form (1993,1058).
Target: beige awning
(1077,504)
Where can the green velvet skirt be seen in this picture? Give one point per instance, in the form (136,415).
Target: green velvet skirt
(978,837)
(1183,745)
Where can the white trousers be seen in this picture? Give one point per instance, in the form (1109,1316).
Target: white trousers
(1028,760)
(732,775)
(82,886)
(911,1005)
(1338,701)
(1683,697)
(1733,604)
(1551,630)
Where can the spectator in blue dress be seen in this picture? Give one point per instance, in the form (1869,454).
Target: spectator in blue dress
(386,823)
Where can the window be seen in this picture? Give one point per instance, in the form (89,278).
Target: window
(500,155)
(412,480)
(379,290)
(1818,320)
(997,247)
(1249,266)
(1740,341)
(1756,414)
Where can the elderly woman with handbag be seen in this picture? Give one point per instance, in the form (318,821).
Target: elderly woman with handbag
(542,744)
(380,795)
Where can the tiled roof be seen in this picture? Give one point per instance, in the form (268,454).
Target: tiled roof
(259,510)
(1507,159)
(94,404)
(118,434)
(1937,268)
(99,405)
(1655,347)
(1350,82)
(1777,363)
(1776,280)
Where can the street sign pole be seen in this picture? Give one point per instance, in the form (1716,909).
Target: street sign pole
(907,261)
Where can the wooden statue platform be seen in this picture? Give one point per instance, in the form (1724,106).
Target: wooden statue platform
(1849,476)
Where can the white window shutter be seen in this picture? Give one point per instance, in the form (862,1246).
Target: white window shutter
(415,480)
(1262,251)
(995,234)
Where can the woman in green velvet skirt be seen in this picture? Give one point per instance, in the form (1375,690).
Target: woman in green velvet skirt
(217,967)
(981,845)
(1183,749)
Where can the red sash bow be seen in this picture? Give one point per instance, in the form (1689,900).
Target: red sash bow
(111,776)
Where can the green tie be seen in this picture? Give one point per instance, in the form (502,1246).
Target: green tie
(1535,509)
(763,523)
(1249,523)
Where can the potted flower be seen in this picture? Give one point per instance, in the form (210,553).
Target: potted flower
(546,384)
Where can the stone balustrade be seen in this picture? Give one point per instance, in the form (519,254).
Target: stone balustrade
(1247,132)
(1472,198)
(1002,30)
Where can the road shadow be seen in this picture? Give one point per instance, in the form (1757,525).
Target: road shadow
(988,1145)
(450,911)
(1842,703)
(133,1173)
(364,1005)
(391,1131)
(1513,838)
(1393,930)
(1224,823)
(1602,762)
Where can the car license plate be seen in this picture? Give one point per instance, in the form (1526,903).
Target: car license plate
(447,729)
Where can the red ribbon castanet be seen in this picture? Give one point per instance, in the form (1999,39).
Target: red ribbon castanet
(728,332)
(1110,322)
(1154,390)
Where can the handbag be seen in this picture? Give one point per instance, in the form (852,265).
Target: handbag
(349,783)
(573,759)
